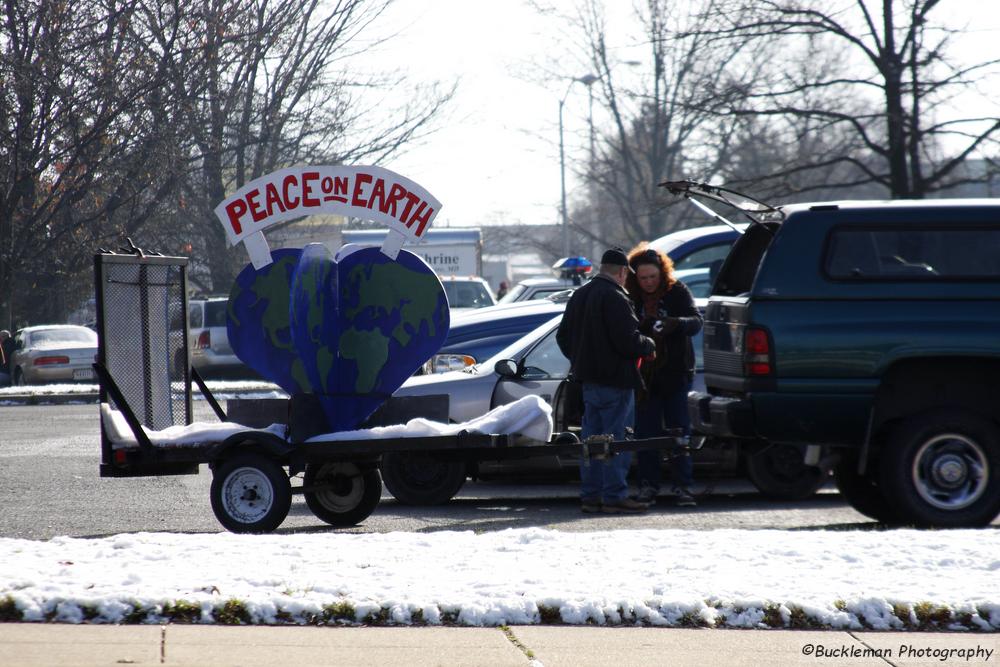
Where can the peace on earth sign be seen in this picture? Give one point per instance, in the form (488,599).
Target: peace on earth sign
(367,192)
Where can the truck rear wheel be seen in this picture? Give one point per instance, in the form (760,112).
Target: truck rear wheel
(778,471)
(413,479)
(250,494)
(943,469)
(861,491)
(343,494)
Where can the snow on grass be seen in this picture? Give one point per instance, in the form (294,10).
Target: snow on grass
(891,580)
(221,389)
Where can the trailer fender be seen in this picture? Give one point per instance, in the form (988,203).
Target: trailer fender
(263,442)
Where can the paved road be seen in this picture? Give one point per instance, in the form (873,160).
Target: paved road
(49,485)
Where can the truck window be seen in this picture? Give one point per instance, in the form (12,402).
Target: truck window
(739,269)
(940,253)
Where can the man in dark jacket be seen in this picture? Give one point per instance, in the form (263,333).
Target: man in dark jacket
(599,335)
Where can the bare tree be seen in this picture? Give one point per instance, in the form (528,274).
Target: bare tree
(661,118)
(75,139)
(274,90)
(895,65)
(136,118)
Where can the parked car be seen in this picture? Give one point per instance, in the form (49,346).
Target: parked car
(532,289)
(467,293)
(868,332)
(699,247)
(208,339)
(53,353)
(477,335)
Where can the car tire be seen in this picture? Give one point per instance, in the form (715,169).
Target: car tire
(413,479)
(942,469)
(778,471)
(250,494)
(346,495)
(862,492)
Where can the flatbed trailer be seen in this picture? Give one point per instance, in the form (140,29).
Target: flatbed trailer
(143,331)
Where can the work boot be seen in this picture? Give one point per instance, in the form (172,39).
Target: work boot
(588,506)
(684,497)
(647,495)
(624,506)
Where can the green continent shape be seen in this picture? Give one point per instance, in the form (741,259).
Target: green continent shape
(272,290)
(392,284)
(325,357)
(370,350)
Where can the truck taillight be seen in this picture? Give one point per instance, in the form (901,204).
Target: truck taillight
(49,361)
(204,341)
(757,352)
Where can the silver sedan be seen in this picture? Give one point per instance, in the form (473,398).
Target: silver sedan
(538,367)
(53,353)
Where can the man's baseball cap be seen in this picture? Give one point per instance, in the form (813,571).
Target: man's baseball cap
(616,257)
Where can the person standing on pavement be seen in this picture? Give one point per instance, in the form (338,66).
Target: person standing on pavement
(6,352)
(667,313)
(599,335)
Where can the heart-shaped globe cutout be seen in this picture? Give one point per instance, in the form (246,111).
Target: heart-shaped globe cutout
(354,329)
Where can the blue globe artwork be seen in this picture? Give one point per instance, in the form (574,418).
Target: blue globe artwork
(349,332)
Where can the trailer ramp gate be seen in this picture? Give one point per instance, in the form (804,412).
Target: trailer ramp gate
(143,361)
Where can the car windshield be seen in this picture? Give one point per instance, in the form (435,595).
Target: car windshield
(512,296)
(469,294)
(516,349)
(54,337)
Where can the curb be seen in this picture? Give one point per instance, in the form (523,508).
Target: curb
(47,399)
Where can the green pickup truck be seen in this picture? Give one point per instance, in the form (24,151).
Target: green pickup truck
(867,334)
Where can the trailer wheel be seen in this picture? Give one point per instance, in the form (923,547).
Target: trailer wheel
(346,495)
(250,494)
(420,480)
(778,472)
(861,491)
(943,469)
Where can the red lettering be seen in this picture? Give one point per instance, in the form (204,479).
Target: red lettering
(396,193)
(307,178)
(273,199)
(340,185)
(290,181)
(359,181)
(411,199)
(236,210)
(378,192)
(256,212)
(422,216)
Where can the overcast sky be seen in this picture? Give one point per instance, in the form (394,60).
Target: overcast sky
(496,158)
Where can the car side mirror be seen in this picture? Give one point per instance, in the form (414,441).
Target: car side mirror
(506,368)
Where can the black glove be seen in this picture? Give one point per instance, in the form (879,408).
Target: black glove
(646,327)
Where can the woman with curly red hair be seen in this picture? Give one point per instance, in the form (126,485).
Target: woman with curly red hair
(667,314)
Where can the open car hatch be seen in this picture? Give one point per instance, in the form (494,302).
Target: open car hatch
(752,209)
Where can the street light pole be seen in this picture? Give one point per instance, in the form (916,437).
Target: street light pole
(587,80)
(562,180)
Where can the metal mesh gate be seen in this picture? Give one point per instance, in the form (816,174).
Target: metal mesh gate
(143,332)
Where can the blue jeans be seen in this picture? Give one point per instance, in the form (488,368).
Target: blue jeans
(660,411)
(606,410)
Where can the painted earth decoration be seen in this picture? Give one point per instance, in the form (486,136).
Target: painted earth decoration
(348,331)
